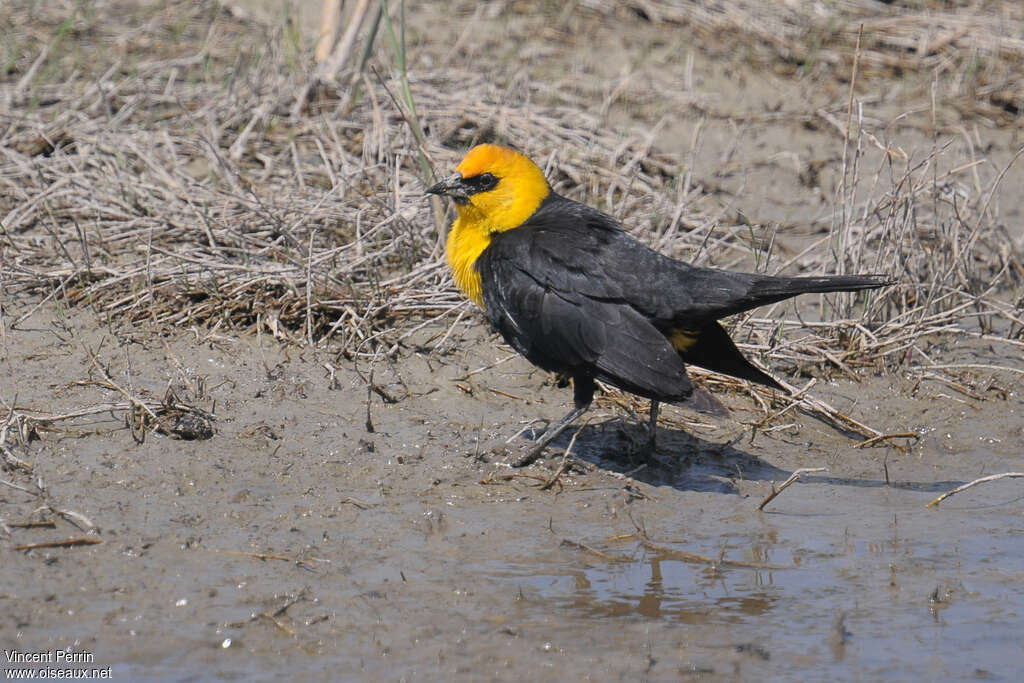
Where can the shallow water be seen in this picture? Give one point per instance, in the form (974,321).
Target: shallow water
(876,588)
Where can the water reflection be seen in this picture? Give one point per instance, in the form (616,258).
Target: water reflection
(896,596)
(694,594)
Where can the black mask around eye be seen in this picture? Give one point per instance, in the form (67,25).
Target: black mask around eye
(461,189)
(480,183)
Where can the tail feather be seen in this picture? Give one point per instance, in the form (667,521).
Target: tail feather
(778,288)
(704,402)
(709,346)
(714,350)
(748,291)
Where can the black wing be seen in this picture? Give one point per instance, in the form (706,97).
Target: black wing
(599,260)
(530,297)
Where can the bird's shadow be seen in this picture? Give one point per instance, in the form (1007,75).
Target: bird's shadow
(688,462)
(680,459)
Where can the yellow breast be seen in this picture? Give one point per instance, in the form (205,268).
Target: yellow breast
(464,246)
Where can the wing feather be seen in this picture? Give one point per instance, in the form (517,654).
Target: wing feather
(562,329)
(594,256)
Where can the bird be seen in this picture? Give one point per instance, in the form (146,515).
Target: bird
(568,288)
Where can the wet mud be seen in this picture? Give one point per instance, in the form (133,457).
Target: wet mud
(298,539)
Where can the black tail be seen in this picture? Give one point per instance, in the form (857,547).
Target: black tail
(713,350)
(724,293)
(774,289)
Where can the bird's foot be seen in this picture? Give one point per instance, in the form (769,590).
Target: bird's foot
(530,456)
(552,433)
(527,449)
(644,451)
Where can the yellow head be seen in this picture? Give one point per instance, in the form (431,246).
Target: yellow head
(495,189)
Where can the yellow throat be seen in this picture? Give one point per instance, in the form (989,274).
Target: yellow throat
(520,190)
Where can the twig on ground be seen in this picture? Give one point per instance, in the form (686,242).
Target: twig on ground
(888,437)
(76,518)
(576,545)
(68,543)
(17,487)
(792,479)
(309,565)
(982,480)
(565,464)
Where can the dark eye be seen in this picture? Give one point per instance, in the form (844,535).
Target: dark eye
(480,183)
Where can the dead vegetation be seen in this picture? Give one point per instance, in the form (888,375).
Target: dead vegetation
(178,166)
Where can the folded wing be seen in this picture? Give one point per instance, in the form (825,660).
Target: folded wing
(565,330)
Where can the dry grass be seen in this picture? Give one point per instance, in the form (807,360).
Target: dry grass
(155,168)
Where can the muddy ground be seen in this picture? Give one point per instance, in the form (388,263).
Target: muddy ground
(341,527)
(297,540)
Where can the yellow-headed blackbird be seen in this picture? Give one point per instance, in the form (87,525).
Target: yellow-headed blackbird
(569,289)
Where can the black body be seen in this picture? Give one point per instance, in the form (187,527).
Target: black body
(575,294)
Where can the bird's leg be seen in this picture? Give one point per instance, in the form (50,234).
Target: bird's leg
(550,435)
(652,425)
(582,394)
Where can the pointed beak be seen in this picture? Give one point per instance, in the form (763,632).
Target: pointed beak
(452,186)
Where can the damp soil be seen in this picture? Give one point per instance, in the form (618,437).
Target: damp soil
(333,528)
